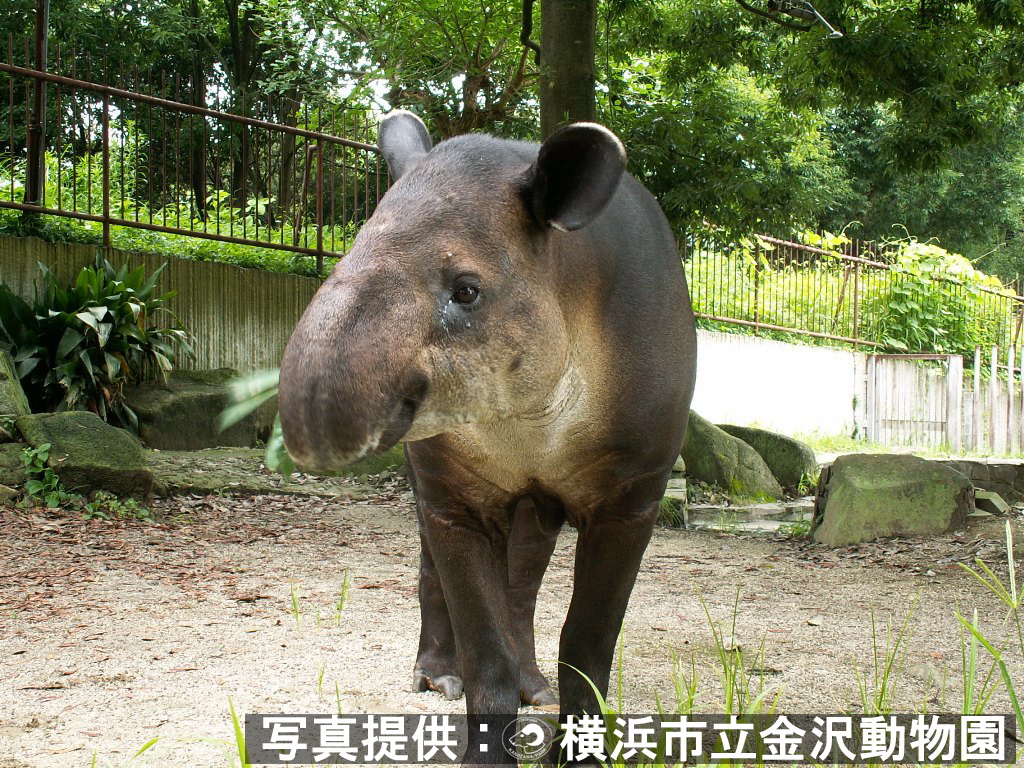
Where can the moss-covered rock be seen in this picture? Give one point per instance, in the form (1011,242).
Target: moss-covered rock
(870,496)
(183,413)
(88,454)
(789,460)
(717,458)
(12,470)
(12,397)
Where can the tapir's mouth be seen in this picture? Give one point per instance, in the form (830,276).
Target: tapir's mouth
(401,421)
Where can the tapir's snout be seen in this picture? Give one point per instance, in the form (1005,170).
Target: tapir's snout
(350,386)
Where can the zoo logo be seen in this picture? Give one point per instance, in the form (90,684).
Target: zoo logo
(528,737)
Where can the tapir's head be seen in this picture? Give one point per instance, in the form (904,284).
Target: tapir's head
(448,310)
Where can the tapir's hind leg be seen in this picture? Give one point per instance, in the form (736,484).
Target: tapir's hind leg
(437,663)
(608,554)
(531,542)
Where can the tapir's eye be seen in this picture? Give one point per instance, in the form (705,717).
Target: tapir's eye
(466,294)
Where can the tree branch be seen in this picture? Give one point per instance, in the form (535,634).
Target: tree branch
(772,17)
(524,36)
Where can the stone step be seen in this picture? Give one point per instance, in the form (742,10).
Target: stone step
(754,518)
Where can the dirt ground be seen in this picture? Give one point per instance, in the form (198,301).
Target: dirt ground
(112,634)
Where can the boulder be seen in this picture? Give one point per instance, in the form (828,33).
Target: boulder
(12,469)
(12,397)
(183,413)
(7,495)
(88,454)
(716,457)
(864,497)
(789,460)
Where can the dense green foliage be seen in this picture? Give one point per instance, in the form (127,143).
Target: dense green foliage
(908,124)
(76,347)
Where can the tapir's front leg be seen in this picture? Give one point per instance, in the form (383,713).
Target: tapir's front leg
(470,554)
(437,662)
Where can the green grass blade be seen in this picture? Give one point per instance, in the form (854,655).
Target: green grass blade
(243,756)
(146,746)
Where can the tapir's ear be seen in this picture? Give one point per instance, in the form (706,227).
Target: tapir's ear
(403,139)
(576,174)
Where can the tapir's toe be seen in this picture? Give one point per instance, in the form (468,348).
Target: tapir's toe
(450,686)
(535,691)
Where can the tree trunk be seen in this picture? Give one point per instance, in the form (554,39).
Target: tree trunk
(568,29)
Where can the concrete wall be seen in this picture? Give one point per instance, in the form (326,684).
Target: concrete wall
(791,388)
(240,318)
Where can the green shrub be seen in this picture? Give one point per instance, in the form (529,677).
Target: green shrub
(76,347)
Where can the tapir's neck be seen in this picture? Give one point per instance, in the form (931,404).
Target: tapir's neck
(562,400)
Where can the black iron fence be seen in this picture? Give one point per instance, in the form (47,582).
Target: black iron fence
(184,158)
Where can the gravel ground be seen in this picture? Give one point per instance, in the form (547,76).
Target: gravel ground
(113,634)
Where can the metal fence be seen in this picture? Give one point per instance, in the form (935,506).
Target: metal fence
(854,294)
(184,158)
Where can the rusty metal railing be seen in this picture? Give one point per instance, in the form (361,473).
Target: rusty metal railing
(852,293)
(220,168)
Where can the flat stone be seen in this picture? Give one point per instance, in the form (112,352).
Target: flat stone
(88,454)
(872,496)
(7,494)
(991,502)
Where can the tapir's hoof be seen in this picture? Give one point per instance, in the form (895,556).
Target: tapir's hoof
(450,686)
(538,697)
(535,690)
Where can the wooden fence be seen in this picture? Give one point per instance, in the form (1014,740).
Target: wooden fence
(926,401)
(239,318)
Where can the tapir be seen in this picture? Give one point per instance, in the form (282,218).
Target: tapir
(517,315)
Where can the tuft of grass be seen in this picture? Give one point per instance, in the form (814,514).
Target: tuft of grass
(685,685)
(1011,596)
(672,512)
(796,529)
(346,583)
(877,692)
(295,609)
(741,695)
(841,444)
